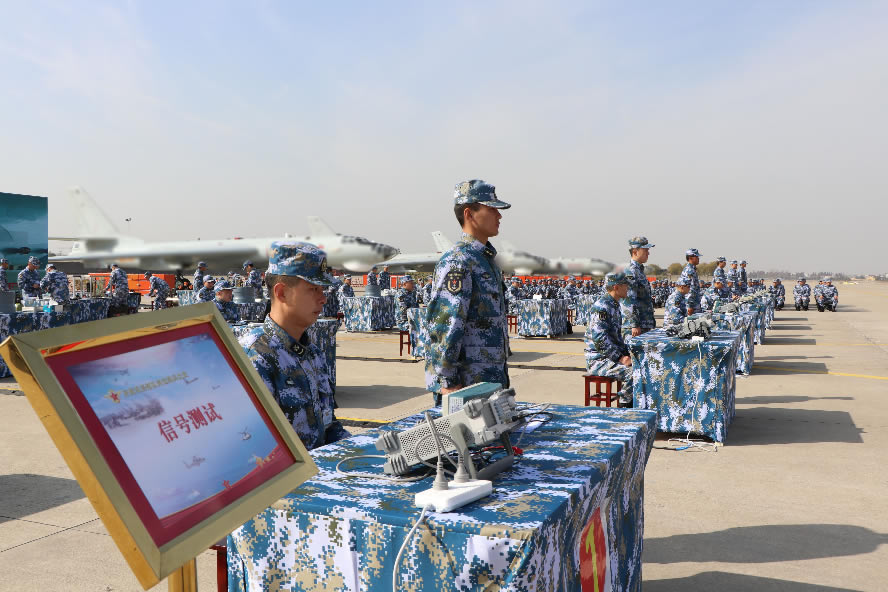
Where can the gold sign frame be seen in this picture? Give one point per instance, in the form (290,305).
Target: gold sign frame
(26,355)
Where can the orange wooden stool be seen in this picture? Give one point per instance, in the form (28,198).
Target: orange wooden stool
(605,396)
(513,323)
(401,336)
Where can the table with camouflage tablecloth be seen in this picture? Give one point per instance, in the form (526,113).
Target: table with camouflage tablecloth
(760,309)
(568,516)
(367,313)
(187,297)
(250,311)
(419,334)
(322,333)
(583,308)
(690,384)
(78,311)
(539,318)
(743,323)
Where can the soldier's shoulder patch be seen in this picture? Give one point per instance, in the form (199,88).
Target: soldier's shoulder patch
(454,281)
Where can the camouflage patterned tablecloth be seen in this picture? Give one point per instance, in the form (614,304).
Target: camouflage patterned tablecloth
(743,323)
(689,394)
(538,318)
(250,311)
(79,311)
(584,304)
(760,309)
(569,513)
(368,313)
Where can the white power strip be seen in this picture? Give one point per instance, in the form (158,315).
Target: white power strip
(455,496)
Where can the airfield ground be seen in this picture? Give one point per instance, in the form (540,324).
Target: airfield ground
(794,502)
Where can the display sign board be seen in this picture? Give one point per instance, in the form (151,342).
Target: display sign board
(166,425)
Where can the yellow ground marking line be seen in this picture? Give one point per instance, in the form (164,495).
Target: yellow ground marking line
(849,344)
(364,420)
(798,371)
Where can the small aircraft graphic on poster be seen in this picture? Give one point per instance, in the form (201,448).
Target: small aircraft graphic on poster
(196,461)
(245,435)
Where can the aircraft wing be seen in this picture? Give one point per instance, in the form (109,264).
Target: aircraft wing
(166,251)
(412,262)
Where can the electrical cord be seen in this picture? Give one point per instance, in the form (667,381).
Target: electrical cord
(695,444)
(374,475)
(404,546)
(527,417)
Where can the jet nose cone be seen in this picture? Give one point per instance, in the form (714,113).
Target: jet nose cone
(388,251)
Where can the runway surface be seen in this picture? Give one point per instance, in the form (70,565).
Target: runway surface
(794,502)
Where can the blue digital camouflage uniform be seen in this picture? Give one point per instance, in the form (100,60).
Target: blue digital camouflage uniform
(296,374)
(4,285)
(467,319)
(29,283)
(229,310)
(719,273)
(160,290)
(55,282)
(604,342)
(713,294)
(427,292)
(385,280)
(372,278)
(742,278)
(118,286)
(676,309)
(801,294)
(406,301)
(254,280)
(205,294)
(733,275)
(779,293)
(198,279)
(693,298)
(638,306)
(345,291)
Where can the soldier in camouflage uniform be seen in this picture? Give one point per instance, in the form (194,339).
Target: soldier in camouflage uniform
(159,290)
(118,289)
(692,302)
(4,265)
(294,369)
(742,277)
(719,271)
(199,274)
(467,331)
(427,291)
(385,278)
(733,277)
(254,278)
(514,293)
(29,279)
(224,301)
(830,295)
(779,293)
(55,283)
(676,306)
(406,300)
(606,352)
(372,277)
(345,291)
(717,292)
(637,307)
(206,294)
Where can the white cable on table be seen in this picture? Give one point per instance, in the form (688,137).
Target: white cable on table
(404,546)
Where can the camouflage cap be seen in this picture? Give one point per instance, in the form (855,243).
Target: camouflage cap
(615,279)
(223,285)
(718,280)
(683,281)
(248,263)
(50,266)
(720,260)
(733,262)
(778,280)
(33,260)
(147,274)
(827,279)
(640,242)
(301,260)
(477,191)
(803,279)
(406,279)
(692,253)
(201,263)
(4,260)
(209,278)
(743,262)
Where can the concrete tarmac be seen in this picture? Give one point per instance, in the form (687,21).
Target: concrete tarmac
(794,502)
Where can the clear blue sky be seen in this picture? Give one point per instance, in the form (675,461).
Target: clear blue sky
(746,129)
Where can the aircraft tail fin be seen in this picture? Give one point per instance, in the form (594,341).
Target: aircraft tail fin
(442,243)
(317,227)
(93,223)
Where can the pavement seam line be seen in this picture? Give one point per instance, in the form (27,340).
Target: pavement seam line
(49,535)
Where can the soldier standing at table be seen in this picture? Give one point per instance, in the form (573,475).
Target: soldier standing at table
(385,279)
(29,279)
(224,301)
(199,274)
(719,271)
(468,335)
(159,290)
(406,300)
(293,368)
(55,282)
(206,293)
(254,278)
(690,274)
(118,289)
(713,294)
(676,305)
(513,295)
(372,277)
(742,278)
(4,265)
(637,307)
(606,352)
(345,291)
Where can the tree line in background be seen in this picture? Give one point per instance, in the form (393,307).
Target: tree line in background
(706,269)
